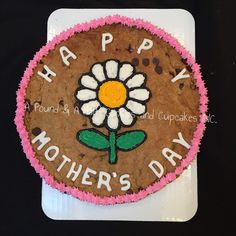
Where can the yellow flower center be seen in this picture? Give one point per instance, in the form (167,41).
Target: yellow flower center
(112,94)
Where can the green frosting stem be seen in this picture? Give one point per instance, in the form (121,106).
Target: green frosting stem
(112,152)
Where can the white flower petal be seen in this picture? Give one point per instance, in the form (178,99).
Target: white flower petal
(136,81)
(89,82)
(139,94)
(126,71)
(89,107)
(135,107)
(86,94)
(99,116)
(112,120)
(125,116)
(111,69)
(98,72)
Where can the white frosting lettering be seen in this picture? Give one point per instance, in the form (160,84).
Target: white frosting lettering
(49,150)
(124,181)
(170,155)
(181,75)
(181,141)
(156,168)
(47,75)
(86,176)
(145,45)
(104,180)
(42,139)
(65,160)
(64,57)
(73,171)
(106,39)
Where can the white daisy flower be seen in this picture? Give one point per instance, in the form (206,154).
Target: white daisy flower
(112,94)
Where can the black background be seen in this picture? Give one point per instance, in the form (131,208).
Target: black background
(23,27)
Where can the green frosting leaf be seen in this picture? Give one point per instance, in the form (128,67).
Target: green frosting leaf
(93,139)
(130,139)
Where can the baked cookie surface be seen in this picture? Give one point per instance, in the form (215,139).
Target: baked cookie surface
(111,111)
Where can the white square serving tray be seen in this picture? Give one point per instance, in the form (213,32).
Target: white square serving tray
(175,202)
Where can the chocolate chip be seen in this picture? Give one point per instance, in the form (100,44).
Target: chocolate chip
(140,189)
(158,69)
(188,67)
(135,61)
(155,61)
(178,70)
(85,124)
(167,54)
(82,155)
(172,73)
(76,105)
(44,71)
(27,100)
(40,62)
(96,177)
(61,103)
(193,85)
(129,191)
(36,131)
(130,49)
(145,61)
(184,61)
(181,86)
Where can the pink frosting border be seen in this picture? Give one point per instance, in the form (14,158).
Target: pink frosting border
(85,196)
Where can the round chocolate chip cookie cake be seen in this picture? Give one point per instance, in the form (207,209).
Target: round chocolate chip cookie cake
(112,110)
